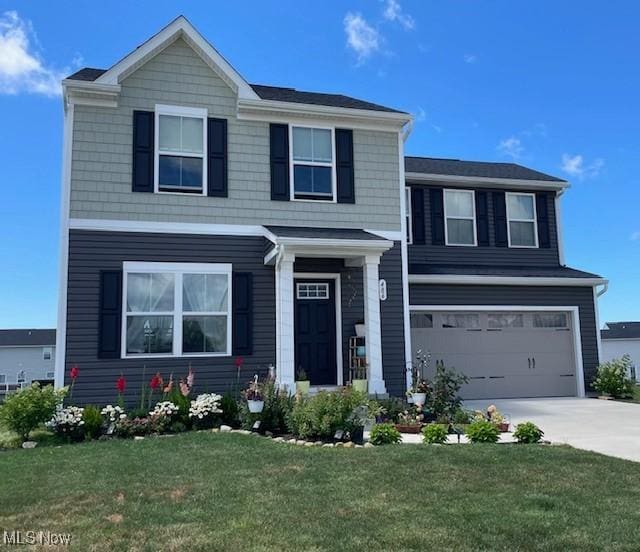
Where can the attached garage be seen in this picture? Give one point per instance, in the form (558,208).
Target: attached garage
(505,353)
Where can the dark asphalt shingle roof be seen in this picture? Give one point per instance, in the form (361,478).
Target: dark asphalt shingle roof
(26,338)
(518,271)
(481,169)
(321,233)
(621,330)
(277,93)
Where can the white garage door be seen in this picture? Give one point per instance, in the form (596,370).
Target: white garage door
(504,354)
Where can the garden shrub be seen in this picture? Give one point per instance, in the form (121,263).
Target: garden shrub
(230,409)
(445,399)
(24,410)
(461,417)
(183,402)
(205,411)
(322,415)
(613,378)
(390,409)
(92,418)
(68,423)
(528,432)
(277,407)
(131,427)
(385,434)
(483,431)
(434,434)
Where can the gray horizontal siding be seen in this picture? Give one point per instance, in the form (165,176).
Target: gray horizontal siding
(391,311)
(581,297)
(491,255)
(91,252)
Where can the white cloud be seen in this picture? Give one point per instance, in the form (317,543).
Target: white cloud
(470,58)
(511,147)
(362,38)
(635,236)
(420,115)
(393,12)
(574,165)
(21,66)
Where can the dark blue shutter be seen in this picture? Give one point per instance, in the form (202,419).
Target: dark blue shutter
(482,217)
(500,219)
(417,216)
(542,213)
(344,166)
(110,314)
(217,157)
(279,140)
(143,138)
(242,307)
(436,202)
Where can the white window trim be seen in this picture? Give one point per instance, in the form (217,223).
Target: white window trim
(178,270)
(534,220)
(292,163)
(473,219)
(179,111)
(320,285)
(408,214)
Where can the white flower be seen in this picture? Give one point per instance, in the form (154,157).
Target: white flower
(66,418)
(113,413)
(205,405)
(164,409)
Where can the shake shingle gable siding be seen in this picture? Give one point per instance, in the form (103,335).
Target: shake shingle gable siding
(479,169)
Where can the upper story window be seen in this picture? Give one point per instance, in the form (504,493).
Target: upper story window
(460,217)
(409,217)
(312,163)
(174,309)
(521,220)
(180,145)
(47,353)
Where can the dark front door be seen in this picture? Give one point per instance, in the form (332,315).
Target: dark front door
(315,330)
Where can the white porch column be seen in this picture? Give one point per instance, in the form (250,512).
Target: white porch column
(373,334)
(285,363)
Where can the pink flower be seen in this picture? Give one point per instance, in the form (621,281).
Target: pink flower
(121,384)
(74,372)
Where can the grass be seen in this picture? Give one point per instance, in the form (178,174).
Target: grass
(206,491)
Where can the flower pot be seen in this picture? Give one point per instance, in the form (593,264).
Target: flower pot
(360,330)
(409,428)
(255,407)
(504,427)
(359,385)
(302,387)
(419,398)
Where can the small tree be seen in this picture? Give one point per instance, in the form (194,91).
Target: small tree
(26,409)
(445,400)
(613,378)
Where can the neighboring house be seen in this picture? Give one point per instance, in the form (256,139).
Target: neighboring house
(206,219)
(619,339)
(26,356)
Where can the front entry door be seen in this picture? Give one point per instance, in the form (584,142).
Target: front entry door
(315,330)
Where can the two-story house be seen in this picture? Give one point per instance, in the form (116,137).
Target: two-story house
(206,219)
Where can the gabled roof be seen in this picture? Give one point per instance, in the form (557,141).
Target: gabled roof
(479,169)
(621,330)
(27,338)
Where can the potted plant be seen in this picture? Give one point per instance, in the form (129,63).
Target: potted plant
(410,421)
(254,396)
(359,379)
(419,390)
(360,328)
(302,382)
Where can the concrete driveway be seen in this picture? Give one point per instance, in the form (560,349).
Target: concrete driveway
(608,427)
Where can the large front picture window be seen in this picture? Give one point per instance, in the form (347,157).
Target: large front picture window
(181,141)
(176,309)
(312,155)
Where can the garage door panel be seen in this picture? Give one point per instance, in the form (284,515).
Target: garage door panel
(499,362)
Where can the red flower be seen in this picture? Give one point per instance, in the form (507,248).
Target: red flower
(74,372)
(121,384)
(155,381)
(239,362)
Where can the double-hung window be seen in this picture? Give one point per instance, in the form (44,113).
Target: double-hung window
(181,140)
(312,163)
(408,215)
(521,220)
(47,353)
(460,217)
(176,309)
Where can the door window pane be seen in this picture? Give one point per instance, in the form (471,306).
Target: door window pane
(149,334)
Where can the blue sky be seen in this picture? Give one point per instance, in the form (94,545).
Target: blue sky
(542,83)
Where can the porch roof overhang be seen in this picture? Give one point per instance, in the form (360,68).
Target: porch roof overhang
(323,242)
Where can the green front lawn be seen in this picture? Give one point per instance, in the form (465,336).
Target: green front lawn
(206,491)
